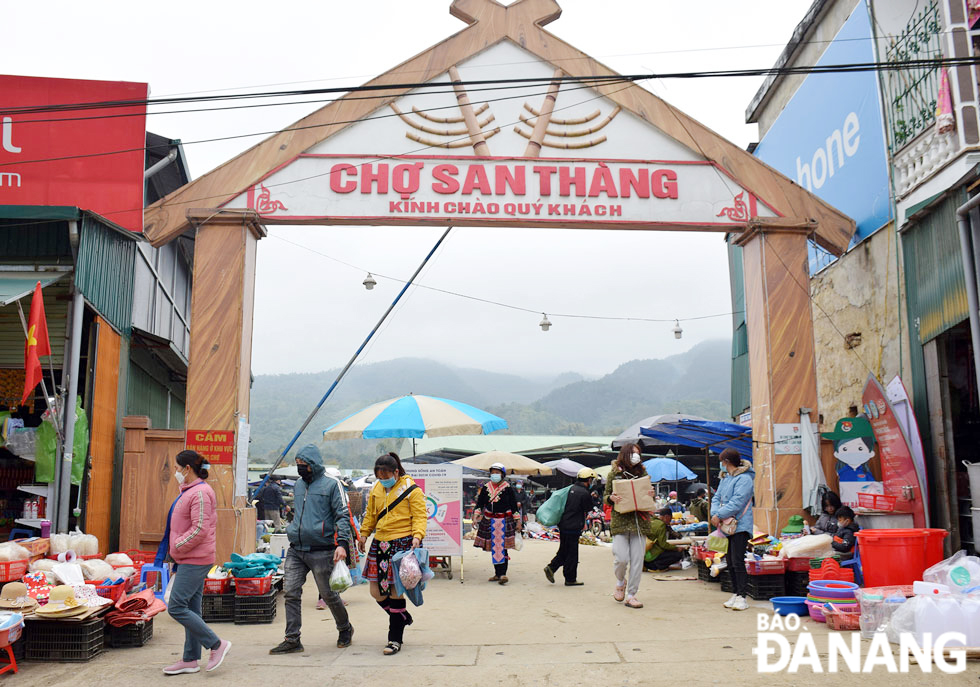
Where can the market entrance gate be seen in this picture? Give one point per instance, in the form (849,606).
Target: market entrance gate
(575,148)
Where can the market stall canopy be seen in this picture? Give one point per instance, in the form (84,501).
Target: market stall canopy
(667,470)
(15,284)
(603,472)
(514,463)
(415,417)
(634,436)
(565,466)
(709,434)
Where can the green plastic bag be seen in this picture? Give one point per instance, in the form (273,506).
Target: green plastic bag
(718,542)
(79,449)
(551,510)
(45,448)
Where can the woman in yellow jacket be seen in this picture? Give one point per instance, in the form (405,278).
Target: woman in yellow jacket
(396,514)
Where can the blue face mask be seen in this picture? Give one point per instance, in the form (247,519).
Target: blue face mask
(721,466)
(388,483)
(495,478)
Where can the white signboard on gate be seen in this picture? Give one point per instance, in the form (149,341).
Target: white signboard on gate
(443,488)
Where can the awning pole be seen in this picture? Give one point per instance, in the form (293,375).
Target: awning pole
(64,497)
(350,362)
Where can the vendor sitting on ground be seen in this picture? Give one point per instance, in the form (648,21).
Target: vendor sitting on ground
(844,538)
(699,506)
(661,554)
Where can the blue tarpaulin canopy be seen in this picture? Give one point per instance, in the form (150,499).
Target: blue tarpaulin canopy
(709,434)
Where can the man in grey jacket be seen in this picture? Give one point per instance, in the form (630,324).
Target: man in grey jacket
(319,536)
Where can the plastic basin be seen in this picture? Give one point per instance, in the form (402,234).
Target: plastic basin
(784,605)
(900,556)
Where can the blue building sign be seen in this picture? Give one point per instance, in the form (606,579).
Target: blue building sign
(830,136)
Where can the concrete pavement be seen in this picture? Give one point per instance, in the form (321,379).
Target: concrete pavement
(528,632)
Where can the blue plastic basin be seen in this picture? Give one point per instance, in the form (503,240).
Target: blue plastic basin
(784,605)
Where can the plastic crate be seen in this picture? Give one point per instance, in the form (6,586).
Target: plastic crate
(217,586)
(704,574)
(725,577)
(797,564)
(251,610)
(796,583)
(764,587)
(113,592)
(127,636)
(766,567)
(138,556)
(816,563)
(253,586)
(64,641)
(218,608)
(11,571)
(877,502)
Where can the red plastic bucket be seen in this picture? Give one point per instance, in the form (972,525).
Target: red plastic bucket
(898,557)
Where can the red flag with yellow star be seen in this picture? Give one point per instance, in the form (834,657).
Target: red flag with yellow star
(37,344)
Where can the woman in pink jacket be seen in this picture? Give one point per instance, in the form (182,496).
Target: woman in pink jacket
(190,532)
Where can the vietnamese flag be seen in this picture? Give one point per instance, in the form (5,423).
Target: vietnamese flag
(37,344)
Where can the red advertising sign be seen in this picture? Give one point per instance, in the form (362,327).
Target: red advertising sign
(89,158)
(217,446)
(898,469)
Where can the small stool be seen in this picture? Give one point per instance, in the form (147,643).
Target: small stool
(11,661)
(164,576)
(20,533)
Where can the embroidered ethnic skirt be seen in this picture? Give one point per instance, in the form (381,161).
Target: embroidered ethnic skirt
(378,567)
(496,534)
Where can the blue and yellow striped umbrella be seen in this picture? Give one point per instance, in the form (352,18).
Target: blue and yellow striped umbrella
(413,417)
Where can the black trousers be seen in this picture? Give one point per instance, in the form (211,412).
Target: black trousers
(737,543)
(567,556)
(664,560)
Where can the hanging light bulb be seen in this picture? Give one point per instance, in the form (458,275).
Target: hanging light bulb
(677,329)
(545,323)
(369,282)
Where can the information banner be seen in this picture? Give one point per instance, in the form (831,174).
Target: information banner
(443,488)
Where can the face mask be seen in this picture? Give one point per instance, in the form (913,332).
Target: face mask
(495,478)
(721,466)
(635,459)
(305,471)
(388,483)
(179,476)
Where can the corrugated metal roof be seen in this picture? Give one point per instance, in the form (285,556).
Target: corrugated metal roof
(104,271)
(511,443)
(934,281)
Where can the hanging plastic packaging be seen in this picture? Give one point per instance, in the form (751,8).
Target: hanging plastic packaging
(340,578)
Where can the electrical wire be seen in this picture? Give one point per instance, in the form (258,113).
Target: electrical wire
(501,304)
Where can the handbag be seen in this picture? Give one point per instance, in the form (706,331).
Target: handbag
(729,525)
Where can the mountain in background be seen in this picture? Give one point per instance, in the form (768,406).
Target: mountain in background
(696,382)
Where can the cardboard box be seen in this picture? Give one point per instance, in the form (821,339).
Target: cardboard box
(635,493)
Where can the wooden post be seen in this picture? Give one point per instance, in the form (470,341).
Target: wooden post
(219,371)
(102,445)
(781,359)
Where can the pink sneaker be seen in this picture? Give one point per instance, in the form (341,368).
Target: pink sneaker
(321,605)
(218,655)
(182,667)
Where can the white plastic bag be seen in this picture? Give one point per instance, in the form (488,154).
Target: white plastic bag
(119,559)
(518,541)
(959,572)
(170,586)
(340,578)
(809,546)
(10,551)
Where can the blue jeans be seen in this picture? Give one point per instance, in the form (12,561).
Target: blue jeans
(185,608)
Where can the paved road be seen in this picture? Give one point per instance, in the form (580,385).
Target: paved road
(527,633)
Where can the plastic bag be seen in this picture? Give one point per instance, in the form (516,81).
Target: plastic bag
(551,510)
(119,559)
(421,556)
(409,572)
(809,546)
(717,542)
(9,551)
(44,452)
(518,541)
(97,570)
(902,620)
(59,543)
(79,448)
(340,578)
(959,572)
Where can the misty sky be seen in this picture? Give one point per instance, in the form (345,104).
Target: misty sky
(312,312)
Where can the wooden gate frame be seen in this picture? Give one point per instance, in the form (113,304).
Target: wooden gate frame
(778,313)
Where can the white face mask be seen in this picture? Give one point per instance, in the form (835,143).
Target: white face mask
(179,476)
(635,459)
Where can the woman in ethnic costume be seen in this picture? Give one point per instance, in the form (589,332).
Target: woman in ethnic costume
(499,520)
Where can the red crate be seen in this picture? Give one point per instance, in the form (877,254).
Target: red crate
(113,592)
(218,586)
(141,556)
(766,567)
(11,571)
(797,565)
(253,586)
(841,618)
(877,502)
